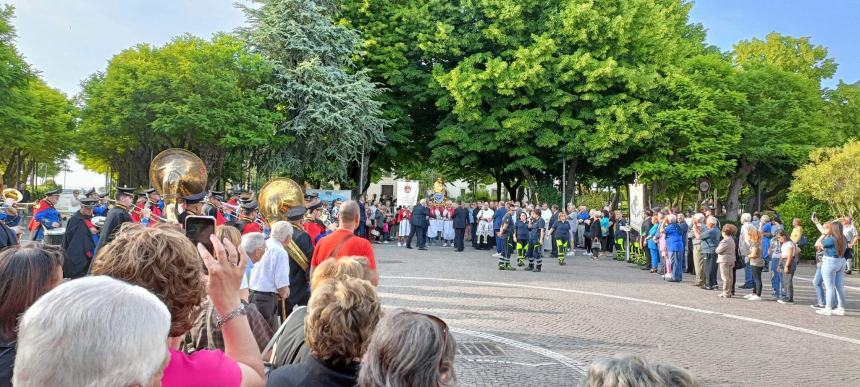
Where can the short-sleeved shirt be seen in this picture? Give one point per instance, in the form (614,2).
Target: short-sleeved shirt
(273,270)
(537,226)
(355,246)
(562,230)
(522,231)
(507,225)
(201,368)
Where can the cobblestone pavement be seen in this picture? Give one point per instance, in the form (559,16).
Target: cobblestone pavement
(518,328)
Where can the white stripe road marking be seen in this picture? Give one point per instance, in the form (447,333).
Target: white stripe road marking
(687,308)
(469,359)
(810,280)
(578,367)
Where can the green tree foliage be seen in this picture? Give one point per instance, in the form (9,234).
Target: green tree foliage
(796,55)
(333,114)
(843,112)
(831,177)
(698,125)
(36,121)
(190,93)
(558,79)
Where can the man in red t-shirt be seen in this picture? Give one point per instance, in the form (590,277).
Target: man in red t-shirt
(332,245)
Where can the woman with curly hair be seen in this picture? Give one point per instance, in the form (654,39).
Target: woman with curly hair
(164,261)
(341,316)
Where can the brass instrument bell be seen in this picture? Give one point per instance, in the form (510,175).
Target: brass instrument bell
(176,173)
(277,197)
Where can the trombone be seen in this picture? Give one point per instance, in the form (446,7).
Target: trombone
(136,210)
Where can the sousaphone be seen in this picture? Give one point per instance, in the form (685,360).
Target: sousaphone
(176,173)
(277,197)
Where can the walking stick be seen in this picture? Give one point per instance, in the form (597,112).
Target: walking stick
(283,311)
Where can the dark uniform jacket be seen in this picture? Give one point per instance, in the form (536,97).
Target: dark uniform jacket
(460,217)
(115,218)
(419,216)
(78,245)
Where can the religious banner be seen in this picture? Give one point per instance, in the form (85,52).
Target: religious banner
(330,195)
(637,205)
(407,193)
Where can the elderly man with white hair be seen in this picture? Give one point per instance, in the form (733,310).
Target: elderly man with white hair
(270,277)
(254,244)
(94,331)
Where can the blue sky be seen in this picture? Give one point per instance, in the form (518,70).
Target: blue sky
(832,23)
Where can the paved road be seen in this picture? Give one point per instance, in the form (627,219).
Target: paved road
(543,329)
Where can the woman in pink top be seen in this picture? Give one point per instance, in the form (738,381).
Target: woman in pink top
(164,261)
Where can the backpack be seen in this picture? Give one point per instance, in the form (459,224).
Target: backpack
(802,242)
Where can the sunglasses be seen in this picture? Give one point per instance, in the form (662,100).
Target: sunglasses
(442,325)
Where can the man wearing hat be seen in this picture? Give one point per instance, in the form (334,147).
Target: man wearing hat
(247,220)
(213,207)
(101,209)
(117,215)
(300,291)
(147,211)
(92,194)
(313,226)
(193,206)
(45,216)
(80,240)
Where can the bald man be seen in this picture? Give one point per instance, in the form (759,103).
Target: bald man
(343,242)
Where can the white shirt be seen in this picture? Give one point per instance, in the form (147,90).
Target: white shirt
(546,215)
(487,215)
(273,270)
(849,231)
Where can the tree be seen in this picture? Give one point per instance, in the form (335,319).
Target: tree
(842,108)
(190,93)
(795,55)
(830,177)
(542,82)
(333,112)
(698,128)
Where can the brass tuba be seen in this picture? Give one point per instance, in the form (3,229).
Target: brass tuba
(12,195)
(277,197)
(176,173)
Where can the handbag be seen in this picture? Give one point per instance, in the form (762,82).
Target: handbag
(739,262)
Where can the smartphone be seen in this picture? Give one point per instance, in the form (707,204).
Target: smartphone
(814,217)
(198,229)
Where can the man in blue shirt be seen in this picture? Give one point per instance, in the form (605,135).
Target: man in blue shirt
(498,216)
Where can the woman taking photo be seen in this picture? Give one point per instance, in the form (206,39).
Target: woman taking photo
(832,269)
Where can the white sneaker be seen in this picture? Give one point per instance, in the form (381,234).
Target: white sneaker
(496,255)
(385,242)
(839,311)
(754,298)
(748,296)
(826,312)
(570,254)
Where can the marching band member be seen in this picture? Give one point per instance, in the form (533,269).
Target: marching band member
(80,240)
(315,228)
(448,224)
(9,219)
(92,194)
(247,221)
(213,207)
(300,291)
(102,208)
(45,216)
(193,206)
(154,205)
(117,215)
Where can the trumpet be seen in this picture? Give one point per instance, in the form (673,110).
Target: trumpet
(136,210)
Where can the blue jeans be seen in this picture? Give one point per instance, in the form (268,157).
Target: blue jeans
(833,274)
(676,259)
(818,284)
(655,257)
(775,278)
(748,276)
